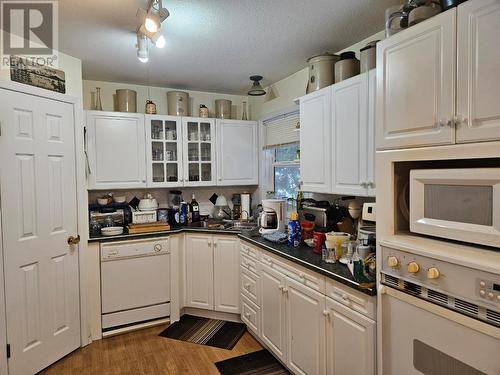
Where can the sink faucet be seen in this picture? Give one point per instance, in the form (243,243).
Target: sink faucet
(247,217)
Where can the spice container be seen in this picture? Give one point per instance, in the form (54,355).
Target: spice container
(347,67)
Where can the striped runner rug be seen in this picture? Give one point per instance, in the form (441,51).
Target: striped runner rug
(204,331)
(256,363)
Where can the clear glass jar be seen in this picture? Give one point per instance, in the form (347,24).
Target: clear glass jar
(94,228)
(109,222)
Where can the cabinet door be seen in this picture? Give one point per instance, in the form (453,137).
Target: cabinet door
(164,151)
(370,141)
(237,153)
(306,339)
(199,151)
(227,274)
(273,311)
(116,150)
(350,341)
(315,141)
(349,112)
(199,271)
(416,85)
(478,92)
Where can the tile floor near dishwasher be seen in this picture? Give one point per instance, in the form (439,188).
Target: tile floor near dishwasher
(144,352)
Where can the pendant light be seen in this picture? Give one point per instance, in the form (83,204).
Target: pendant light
(142,48)
(257,89)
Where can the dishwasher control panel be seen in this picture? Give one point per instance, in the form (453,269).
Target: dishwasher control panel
(135,248)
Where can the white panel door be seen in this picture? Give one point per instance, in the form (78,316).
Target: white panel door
(478,76)
(39,213)
(116,150)
(416,85)
(273,316)
(315,141)
(237,152)
(306,338)
(227,274)
(349,139)
(199,271)
(350,342)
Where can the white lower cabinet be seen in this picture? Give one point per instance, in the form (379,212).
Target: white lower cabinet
(305,320)
(307,331)
(350,340)
(212,273)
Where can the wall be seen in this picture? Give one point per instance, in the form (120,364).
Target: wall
(71,66)
(159,97)
(280,95)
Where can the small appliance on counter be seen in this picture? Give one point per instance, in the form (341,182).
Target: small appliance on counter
(272,218)
(367,225)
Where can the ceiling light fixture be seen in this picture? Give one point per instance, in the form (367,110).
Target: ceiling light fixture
(257,89)
(142,48)
(152,21)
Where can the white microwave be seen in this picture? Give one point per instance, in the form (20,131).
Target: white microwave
(456,204)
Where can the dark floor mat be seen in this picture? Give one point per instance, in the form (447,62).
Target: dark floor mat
(261,363)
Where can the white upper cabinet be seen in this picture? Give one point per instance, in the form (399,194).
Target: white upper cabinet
(478,76)
(349,117)
(416,85)
(115,146)
(315,141)
(199,151)
(237,152)
(164,151)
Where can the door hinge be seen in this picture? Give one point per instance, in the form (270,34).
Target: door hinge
(8,350)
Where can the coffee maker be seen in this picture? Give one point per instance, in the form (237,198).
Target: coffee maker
(272,218)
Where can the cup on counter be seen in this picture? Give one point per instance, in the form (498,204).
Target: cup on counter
(339,238)
(331,247)
(319,239)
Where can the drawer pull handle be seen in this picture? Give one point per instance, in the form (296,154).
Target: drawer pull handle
(345,297)
(326,313)
(285,290)
(281,287)
(248,315)
(247,286)
(302,276)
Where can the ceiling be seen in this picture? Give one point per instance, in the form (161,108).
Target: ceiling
(213,45)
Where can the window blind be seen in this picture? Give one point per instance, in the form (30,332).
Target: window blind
(281,130)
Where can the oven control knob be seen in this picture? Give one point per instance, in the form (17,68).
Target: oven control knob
(433,273)
(413,267)
(491,295)
(392,261)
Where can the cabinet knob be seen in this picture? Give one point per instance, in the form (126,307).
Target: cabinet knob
(326,313)
(247,285)
(247,314)
(458,120)
(444,122)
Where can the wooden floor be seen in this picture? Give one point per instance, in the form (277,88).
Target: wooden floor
(144,352)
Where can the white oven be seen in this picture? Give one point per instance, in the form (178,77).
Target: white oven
(439,317)
(456,204)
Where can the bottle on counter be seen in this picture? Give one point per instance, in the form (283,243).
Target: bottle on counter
(195,210)
(183,214)
(300,199)
(294,230)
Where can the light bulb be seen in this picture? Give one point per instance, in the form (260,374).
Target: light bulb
(143,59)
(161,42)
(152,23)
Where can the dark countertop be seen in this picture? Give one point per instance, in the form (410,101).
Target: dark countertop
(304,256)
(301,255)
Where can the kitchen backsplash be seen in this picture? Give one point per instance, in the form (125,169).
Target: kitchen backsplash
(202,195)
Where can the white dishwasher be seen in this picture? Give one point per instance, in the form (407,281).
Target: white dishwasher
(135,282)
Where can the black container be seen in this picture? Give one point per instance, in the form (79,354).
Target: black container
(447,4)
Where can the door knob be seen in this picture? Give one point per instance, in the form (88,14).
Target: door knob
(74,240)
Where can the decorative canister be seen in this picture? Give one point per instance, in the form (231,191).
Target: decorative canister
(126,100)
(223,108)
(368,56)
(178,103)
(150,108)
(321,71)
(347,67)
(203,111)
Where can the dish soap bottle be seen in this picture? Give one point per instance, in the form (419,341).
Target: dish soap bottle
(294,230)
(195,209)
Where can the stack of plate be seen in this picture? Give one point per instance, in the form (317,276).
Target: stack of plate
(111,231)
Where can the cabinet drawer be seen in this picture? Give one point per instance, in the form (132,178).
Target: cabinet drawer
(249,286)
(351,298)
(248,264)
(300,274)
(250,315)
(250,251)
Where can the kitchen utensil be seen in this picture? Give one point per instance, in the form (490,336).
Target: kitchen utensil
(347,67)
(396,19)
(223,108)
(368,57)
(178,103)
(354,208)
(111,231)
(148,203)
(150,107)
(126,100)
(423,12)
(134,203)
(120,199)
(321,71)
(246,203)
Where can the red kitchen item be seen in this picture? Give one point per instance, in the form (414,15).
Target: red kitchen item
(319,239)
(307,229)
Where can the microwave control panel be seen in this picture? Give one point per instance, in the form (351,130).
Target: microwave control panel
(488,290)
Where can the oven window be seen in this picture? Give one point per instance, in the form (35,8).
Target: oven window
(460,204)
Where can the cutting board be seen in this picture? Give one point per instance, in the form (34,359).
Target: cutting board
(158,226)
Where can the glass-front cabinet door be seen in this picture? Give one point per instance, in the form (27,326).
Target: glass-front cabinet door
(164,151)
(199,151)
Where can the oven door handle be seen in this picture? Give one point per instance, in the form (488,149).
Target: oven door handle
(387,292)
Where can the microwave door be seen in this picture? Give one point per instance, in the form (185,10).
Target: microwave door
(457,204)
